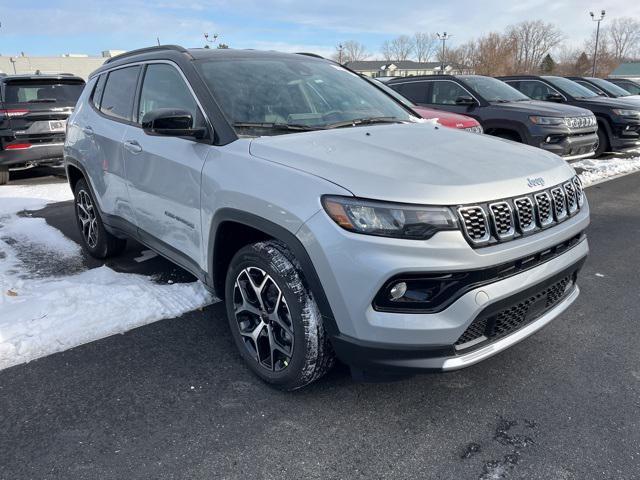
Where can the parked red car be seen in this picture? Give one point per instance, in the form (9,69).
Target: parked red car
(446,119)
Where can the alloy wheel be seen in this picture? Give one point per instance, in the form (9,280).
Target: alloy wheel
(263,318)
(88,218)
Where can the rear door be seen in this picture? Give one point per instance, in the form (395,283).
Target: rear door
(164,172)
(35,110)
(103,130)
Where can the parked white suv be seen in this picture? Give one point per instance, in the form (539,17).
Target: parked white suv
(329,218)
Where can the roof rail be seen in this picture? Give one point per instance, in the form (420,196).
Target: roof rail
(139,51)
(308,54)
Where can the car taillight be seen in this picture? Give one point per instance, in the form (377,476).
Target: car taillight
(18,146)
(13,113)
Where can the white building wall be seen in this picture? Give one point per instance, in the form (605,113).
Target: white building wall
(80,66)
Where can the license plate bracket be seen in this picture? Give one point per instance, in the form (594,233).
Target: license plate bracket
(57,125)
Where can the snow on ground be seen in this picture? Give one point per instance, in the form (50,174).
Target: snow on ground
(593,171)
(42,312)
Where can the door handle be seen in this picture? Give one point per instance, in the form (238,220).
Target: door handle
(133,146)
(87,131)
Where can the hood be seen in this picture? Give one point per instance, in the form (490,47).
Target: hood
(447,119)
(635,99)
(415,163)
(621,102)
(550,109)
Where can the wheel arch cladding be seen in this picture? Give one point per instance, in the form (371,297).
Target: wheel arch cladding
(228,222)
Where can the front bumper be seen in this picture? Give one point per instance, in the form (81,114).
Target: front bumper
(353,268)
(626,136)
(36,154)
(570,147)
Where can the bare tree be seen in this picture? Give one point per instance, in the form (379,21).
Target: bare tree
(623,35)
(424,46)
(350,51)
(400,48)
(532,40)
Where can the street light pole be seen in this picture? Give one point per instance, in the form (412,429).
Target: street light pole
(443,38)
(206,38)
(595,53)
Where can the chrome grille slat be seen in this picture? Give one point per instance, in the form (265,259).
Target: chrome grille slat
(579,191)
(570,195)
(475,224)
(543,209)
(525,214)
(559,203)
(502,220)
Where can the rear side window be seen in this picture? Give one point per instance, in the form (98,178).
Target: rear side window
(446,92)
(414,91)
(43,91)
(98,90)
(536,89)
(119,91)
(164,87)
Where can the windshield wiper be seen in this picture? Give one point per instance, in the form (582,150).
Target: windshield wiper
(363,121)
(277,126)
(43,100)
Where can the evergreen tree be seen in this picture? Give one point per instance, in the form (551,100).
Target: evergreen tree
(548,65)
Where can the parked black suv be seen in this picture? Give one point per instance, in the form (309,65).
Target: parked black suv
(618,119)
(504,112)
(605,88)
(630,86)
(33,115)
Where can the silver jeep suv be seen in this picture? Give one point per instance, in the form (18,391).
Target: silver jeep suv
(331,220)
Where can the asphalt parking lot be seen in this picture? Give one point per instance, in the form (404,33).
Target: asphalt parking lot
(173,400)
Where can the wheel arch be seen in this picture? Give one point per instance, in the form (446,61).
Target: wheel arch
(245,228)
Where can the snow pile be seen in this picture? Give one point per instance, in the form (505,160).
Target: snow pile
(594,171)
(42,311)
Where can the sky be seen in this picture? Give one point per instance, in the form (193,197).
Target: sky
(55,27)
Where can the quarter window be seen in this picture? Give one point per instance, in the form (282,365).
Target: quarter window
(536,89)
(446,93)
(98,90)
(163,87)
(119,91)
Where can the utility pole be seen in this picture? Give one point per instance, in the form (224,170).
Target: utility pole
(595,53)
(443,38)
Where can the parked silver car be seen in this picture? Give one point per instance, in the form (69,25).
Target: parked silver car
(331,221)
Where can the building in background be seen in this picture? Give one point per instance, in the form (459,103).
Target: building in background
(404,68)
(629,70)
(76,63)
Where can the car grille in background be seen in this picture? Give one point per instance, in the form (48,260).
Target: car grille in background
(581,122)
(504,220)
(476,129)
(488,328)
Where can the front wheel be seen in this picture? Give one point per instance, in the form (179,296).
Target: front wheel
(274,319)
(603,141)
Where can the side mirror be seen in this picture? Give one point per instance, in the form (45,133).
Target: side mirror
(554,97)
(465,100)
(171,122)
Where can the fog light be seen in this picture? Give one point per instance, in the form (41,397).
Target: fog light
(548,139)
(398,291)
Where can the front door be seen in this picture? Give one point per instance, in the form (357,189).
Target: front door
(163,173)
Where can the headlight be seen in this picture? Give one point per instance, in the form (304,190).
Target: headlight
(626,113)
(389,219)
(547,120)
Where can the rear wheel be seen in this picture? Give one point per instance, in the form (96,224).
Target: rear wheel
(4,175)
(274,318)
(95,239)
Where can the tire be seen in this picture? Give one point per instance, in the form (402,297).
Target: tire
(603,141)
(96,241)
(514,137)
(4,175)
(279,334)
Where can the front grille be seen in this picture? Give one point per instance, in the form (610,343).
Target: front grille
(490,223)
(475,223)
(488,328)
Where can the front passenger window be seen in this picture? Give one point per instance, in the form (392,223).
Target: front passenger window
(446,93)
(164,87)
(536,89)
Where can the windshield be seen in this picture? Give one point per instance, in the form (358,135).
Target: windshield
(43,91)
(610,88)
(493,90)
(570,87)
(280,94)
